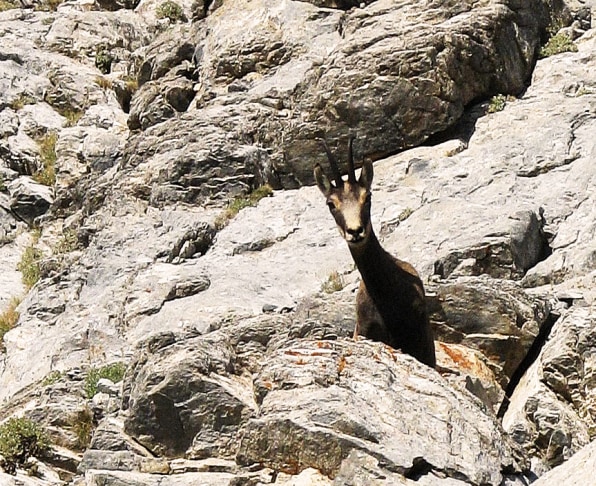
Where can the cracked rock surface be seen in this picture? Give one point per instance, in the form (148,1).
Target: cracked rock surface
(234,330)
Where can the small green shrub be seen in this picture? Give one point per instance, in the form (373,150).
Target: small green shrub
(558,43)
(8,319)
(583,91)
(104,59)
(67,243)
(405,214)
(240,203)
(496,103)
(113,372)
(29,266)
(47,152)
(20,439)
(170,10)
(334,283)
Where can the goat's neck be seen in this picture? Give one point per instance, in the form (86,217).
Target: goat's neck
(374,265)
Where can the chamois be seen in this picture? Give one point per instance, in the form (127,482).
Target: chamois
(390,304)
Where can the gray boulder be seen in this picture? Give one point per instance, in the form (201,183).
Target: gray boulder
(29,199)
(207,404)
(576,471)
(551,411)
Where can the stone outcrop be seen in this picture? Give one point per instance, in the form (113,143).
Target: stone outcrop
(238,359)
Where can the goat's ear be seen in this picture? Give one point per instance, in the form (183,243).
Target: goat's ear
(366,175)
(323,181)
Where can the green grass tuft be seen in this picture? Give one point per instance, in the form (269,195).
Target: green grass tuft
(113,372)
(83,427)
(67,243)
(241,202)
(47,152)
(52,378)
(29,266)
(557,44)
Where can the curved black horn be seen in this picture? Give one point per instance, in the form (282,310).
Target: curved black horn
(334,167)
(351,170)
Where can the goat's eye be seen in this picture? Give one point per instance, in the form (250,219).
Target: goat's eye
(331,205)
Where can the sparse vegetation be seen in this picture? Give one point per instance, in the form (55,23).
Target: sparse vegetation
(67,243)
(132,84)
(22,100)
(113,372)
(103,82)
(29,265)
(72,116)
(48,5)
(557,44)
(584,90)
(240,203)
(405,214)
(8,319)
(334,283)
(83,426)
(20,439)
(7,5)
(52,378)
(104,59)
(47,151)
(497,103)
(170,10)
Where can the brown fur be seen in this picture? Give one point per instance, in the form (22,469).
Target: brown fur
(390,305)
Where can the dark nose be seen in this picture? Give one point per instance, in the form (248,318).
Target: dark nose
(355,232)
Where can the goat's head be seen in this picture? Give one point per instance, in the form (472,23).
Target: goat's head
(348,201)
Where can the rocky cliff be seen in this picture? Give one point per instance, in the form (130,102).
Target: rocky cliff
(177,303)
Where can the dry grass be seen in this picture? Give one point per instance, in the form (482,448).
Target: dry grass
(47,151)
(334,283)
(8,319)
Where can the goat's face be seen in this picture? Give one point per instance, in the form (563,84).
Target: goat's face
(349,203)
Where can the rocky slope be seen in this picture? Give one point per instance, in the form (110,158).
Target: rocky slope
(233,330)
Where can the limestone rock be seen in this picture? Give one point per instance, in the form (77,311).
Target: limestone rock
(286,428)
(29,199)
(494,316)
(578,470)
(553,407)
(351,90)
(230,101)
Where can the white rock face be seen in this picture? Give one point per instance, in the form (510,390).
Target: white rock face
(578,470)
(499,221)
